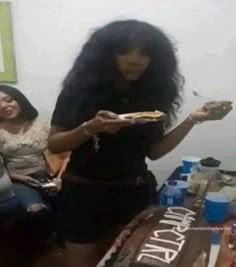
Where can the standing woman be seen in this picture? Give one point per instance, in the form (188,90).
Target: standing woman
(125,66)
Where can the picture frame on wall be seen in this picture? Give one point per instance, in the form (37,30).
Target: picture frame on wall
(7,55)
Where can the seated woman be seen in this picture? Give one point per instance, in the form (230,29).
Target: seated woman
(23,140)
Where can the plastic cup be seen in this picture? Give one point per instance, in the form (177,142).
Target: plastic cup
(190,162)
(217,207)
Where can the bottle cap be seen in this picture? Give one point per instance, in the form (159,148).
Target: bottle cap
(210,162)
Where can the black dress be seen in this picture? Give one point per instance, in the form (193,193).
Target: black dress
(90,209)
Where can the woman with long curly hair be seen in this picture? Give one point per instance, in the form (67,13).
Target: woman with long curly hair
(125,66)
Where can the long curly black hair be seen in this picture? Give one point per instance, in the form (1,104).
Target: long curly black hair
(91,82)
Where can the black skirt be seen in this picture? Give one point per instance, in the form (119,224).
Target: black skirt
(89,210)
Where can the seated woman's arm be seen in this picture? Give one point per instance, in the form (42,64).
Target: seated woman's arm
(63,166)
(21,178)
(16,177)
(56,165)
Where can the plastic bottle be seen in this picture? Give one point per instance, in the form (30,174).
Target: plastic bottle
(171,195)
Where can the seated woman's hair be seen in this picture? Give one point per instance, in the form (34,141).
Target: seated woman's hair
(28,111)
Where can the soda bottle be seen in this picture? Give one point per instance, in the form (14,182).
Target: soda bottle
(171,195)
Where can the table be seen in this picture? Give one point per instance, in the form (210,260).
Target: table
(226,256)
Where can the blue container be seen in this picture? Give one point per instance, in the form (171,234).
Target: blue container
(216,207)
(190,162)
(171,195)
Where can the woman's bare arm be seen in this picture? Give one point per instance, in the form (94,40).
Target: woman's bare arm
(170,140)
(61,140)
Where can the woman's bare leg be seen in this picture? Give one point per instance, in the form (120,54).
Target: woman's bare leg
(88,255)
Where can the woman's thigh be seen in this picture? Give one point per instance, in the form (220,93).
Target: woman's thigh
(27,195)
(90,254)
(9,205)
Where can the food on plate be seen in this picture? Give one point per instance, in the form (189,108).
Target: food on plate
(144,116)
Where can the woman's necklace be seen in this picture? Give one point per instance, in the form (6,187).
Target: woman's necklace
(96,141)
